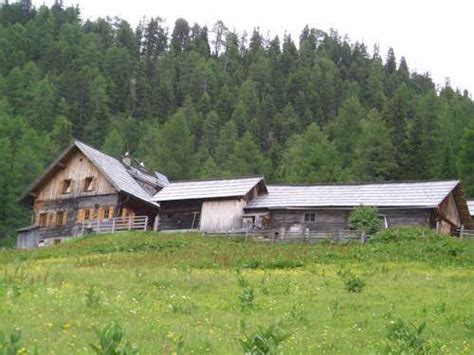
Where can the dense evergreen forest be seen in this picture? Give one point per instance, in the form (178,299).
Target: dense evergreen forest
(196,102)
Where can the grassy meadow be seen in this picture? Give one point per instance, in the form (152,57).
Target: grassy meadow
(406,291)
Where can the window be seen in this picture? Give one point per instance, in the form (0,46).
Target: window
(43,219)
(310,217)
(60,220)
(108,212)
(67,186)
(88,184)
(57,241)
(87,214)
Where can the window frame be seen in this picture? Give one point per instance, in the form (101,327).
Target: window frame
(89,185)
(310,217)
(62,215)
(43,219)
(67,187)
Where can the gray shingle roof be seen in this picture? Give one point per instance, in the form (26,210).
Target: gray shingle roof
(403,194)
(206,189)
(470,205)
(115,172)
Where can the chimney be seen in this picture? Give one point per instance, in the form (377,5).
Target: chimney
(127,160)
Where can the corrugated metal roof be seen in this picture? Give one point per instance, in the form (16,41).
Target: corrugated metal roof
(470,205)
(115,172)
(401,194)
(205,189)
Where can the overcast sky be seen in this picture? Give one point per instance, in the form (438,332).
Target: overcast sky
(434,36)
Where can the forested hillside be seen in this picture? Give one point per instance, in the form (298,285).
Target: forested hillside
(192,101)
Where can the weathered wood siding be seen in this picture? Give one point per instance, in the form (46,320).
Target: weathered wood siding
(337,219)
(27,238)
(179,214)
(326,220)
(77,169)
(449,211)
(222,215)
(71,208)
(407,217)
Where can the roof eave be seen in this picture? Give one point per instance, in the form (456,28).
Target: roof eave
(27,194)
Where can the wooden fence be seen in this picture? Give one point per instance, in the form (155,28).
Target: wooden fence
(310,236)
(465,233)
(113,225)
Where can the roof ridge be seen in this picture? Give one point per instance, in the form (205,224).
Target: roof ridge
(218,179)
(359,183)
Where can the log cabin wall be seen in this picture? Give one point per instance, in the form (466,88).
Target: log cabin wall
(338,219)
(407,217)
(73,212)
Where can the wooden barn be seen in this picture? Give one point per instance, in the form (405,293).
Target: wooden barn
(207,205)
(83,185)
(303,208)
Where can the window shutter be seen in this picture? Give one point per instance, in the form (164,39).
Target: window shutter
(93,183)
(100,213)
(51,219)
(65,218)
(124,212)
(80,216)
(37,219)
(111,211)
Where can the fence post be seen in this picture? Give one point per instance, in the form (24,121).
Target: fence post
(461,235)
(362,237)
(130,223)
(156,223)
(98,226)
(113,225)
(438,225)
(146,223)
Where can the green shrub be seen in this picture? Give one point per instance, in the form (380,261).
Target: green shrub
(246,298)
(10,345)
(406,337)
(92,297)
(352,282)
(110,338)
(404,234)
(264,341)
(366,219)
(7,243)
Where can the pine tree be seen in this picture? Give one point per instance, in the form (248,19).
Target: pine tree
(114,143)
(180,36)
(246,158)
(465,161)
(311,158)
(374,153)
(169,149)
(345,128)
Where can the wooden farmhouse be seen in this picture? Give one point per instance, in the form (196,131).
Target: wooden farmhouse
(84,185)
(296,208)
(87,191)
(238,204)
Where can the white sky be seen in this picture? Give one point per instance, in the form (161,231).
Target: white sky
(434,36)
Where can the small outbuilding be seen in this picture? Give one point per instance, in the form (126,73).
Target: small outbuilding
(207,205)
(326,207)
